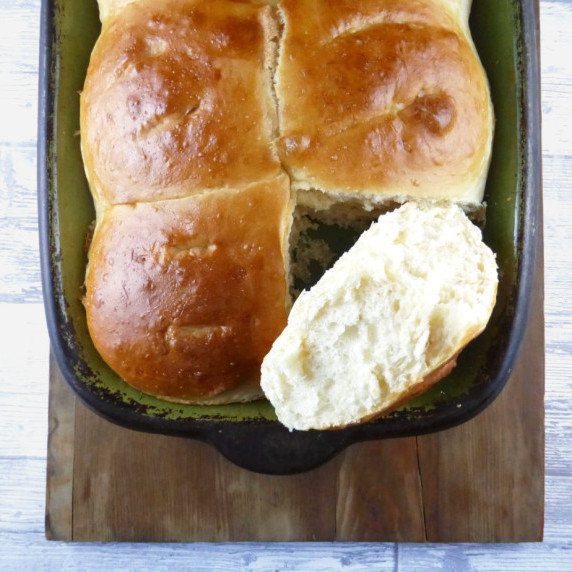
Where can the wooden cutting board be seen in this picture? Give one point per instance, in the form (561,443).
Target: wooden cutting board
(480,482)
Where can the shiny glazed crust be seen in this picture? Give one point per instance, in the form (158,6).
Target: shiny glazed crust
(177,101)
(382,97)
(185,297)
(194,112)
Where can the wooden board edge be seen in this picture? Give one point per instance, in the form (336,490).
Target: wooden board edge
(60,457)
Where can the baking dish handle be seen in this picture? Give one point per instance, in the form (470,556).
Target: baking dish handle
(273,449)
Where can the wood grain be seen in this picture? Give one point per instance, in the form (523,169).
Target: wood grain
(379,493)
(141,487)
(19,268)
(59,488)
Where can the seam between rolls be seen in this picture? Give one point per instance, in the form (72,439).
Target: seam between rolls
(273,58)
(272,61)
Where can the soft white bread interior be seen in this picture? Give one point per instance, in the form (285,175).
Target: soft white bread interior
(386,321)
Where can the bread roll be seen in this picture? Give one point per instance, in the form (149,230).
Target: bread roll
(185,297)
(206,124)
(382,99)
(385,322)
(177,101)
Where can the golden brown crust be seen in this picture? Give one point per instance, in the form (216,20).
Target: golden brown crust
(185,297)
(382,96)
(177,100)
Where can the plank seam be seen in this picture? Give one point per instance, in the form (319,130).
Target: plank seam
(72,531)
(421,488)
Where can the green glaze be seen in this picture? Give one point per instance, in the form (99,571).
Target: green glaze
(495,28)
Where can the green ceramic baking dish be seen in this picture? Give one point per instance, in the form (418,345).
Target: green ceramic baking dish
(506,35)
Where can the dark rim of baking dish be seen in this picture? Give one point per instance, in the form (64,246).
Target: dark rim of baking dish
(267,446)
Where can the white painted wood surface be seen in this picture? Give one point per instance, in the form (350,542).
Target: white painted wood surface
(24,356)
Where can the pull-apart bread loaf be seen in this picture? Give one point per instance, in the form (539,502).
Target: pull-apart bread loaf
(207,125)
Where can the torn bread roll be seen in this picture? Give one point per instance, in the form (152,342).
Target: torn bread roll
(385,322)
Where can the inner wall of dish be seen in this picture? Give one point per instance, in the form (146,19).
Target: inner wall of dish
(77,28)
